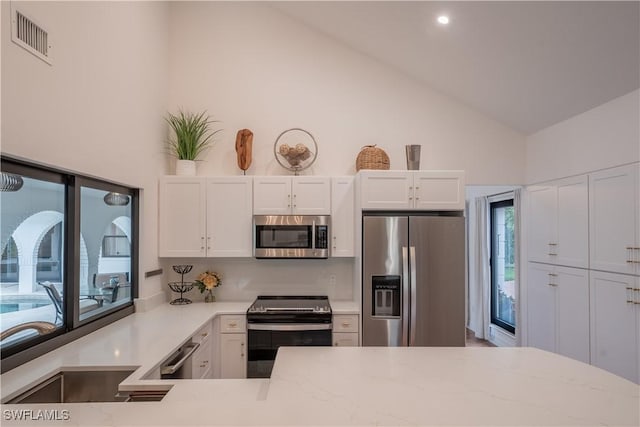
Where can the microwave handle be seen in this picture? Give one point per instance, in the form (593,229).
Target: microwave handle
(313,235)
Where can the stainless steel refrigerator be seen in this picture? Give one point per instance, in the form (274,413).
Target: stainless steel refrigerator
(413,280)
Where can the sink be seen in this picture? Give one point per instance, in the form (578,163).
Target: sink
(77,386)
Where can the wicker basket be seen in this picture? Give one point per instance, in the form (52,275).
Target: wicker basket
(371,157)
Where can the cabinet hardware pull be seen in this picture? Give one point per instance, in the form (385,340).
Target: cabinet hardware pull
(553,274)
(233,324)
(552,284)
(345,324)
(629,301)
(335,344)
(553,244)
(552,254)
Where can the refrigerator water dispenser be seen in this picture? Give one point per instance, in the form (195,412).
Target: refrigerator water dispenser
(386,296)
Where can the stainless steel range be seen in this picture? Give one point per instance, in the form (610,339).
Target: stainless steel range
(275,321)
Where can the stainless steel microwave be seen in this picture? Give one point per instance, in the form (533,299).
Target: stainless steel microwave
(291,236)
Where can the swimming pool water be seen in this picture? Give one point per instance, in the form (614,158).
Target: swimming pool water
(6,307)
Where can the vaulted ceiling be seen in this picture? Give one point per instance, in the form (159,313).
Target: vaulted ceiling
(526,64)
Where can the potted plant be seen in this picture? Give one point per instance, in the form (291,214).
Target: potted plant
(206,282)
(192,136)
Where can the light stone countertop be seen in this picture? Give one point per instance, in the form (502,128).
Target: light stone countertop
(334,386)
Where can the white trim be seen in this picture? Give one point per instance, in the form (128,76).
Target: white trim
(501,337)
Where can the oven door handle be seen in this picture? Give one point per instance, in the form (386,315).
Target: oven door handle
(289,327)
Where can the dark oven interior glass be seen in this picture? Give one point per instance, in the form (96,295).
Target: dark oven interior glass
(289,236)
(263,346)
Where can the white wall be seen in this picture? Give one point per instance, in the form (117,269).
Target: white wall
(99,109)
(606,136)
(251,66)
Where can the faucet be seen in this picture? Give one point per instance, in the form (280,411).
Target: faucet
(40,326)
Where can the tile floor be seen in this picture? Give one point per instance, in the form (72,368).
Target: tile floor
(472,341)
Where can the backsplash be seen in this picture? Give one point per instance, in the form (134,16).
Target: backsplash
(244,279)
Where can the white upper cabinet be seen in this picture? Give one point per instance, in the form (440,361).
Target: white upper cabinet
(342,217)
(229,218)
(439,190)
(182,217)
(614,230)
(205,217)
(413,190)
(542,222)
(283,195)
(558,222)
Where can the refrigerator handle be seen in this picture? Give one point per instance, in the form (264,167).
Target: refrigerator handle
(405,296)
(413,298)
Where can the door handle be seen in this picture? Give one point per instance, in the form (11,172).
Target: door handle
(405,296)
(413,296)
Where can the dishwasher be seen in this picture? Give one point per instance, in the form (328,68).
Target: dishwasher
(178,365)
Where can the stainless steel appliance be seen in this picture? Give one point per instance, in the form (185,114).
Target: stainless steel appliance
(291,236)
(274,321)
(413,280)
(179,364)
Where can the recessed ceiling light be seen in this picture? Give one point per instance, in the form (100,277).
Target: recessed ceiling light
(443,19)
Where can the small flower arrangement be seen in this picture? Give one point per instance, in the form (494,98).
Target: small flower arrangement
(208,280)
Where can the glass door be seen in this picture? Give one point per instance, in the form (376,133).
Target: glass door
(503,296)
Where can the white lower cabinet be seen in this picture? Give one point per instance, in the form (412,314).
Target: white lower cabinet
(615,324)
(558,314)
(343,339)
(201,362)
(345,330)
(233,346)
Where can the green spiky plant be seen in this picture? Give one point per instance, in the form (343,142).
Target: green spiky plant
(192,134)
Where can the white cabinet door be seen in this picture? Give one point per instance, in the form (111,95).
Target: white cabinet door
(572,314)
(614,220)
(439,190)
(615,307)
(558,310)
(343,339)
(182,217)
(342,217)
(233,358)
(386,190)
(284,195)
(542,223)
(311,195)
(229,217)
(201,362)
(572,228)
(272,195)
(541,307)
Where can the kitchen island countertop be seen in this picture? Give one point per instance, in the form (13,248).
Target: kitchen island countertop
(334,386)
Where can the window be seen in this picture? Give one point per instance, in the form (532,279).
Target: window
(503,298)
(69,256)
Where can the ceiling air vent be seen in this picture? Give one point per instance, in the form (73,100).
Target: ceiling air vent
(31,36)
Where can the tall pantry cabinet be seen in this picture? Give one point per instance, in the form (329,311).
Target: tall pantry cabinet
(583,290)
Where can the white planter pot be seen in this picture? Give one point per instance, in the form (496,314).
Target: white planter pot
(186,167)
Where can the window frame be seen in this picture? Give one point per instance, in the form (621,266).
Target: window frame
(507,201)
(72,327)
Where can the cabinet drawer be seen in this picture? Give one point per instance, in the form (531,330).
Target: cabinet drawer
(203,334)
(345,323)
(345,339)
(233,324)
